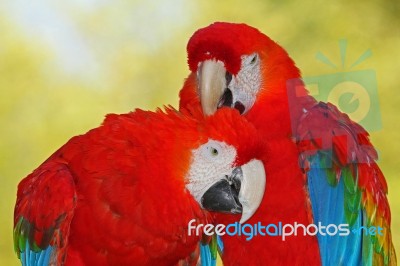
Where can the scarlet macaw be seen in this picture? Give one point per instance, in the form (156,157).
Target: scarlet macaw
(321,165)
(121,194)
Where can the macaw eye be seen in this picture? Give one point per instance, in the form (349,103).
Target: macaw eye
(213,151)
(254,59)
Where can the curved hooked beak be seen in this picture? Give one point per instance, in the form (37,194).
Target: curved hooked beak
(213,78)
(241,192)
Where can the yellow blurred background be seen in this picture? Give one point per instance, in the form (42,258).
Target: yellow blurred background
(64,66)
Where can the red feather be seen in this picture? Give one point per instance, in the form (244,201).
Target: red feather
(277,114)
(120,189)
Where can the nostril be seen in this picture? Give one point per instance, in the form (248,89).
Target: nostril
(240,107)
(226,99)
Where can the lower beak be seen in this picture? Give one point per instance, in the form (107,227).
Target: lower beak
(241,192)
(222,197)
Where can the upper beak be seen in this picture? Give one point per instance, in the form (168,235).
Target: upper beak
(241,192)
(212,83)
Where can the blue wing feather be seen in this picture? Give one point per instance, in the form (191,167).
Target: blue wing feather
(327,203)
(205,256)
(32,258)
(209,251)
(220,244)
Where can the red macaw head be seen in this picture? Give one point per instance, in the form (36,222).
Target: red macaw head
(234,65)
(225,173)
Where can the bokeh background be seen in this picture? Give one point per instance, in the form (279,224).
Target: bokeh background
(65,64)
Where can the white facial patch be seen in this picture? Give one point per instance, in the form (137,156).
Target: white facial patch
(246,84)
(211,162)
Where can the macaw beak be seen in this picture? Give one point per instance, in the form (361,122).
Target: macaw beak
(212,80)
(241,192)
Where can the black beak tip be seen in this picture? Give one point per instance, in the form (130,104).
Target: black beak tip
(240,107)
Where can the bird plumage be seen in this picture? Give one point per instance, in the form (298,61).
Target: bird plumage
(321,165)
(117,195)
